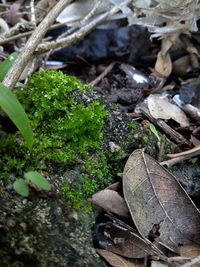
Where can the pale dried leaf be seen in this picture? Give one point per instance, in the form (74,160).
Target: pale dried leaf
(158,204)
(165,18)
(161,108)
(118,261)
(111,201)
(13,15)
(163,64)
(159,264)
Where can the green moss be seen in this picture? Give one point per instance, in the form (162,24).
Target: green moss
(145,138)
(65,131)
(95,175)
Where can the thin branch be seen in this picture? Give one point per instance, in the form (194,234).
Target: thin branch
(29,48)
(193,262)
(170,162)
(25,34)
(188,152)
(103,74)
(33,18)
(42,48)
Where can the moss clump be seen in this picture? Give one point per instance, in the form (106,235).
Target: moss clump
(65,131)
(95,174)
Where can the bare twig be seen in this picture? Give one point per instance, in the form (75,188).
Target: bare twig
(42,48)
(169,163)
(103,74)
(17,68)
(19,27)
(188,152)
(192,262)
(33,18)
(4,40)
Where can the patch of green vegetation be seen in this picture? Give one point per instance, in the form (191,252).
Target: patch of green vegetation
(96,174)
(133,128)
(145,138)
(66,131)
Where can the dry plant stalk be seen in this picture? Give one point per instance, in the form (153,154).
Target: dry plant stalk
(29,48)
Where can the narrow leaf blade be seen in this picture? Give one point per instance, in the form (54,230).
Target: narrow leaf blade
(21,187)
(154,131)
(6,65)
(38,180)
(16,113)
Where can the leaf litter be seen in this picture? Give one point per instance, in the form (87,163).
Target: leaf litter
(163,219)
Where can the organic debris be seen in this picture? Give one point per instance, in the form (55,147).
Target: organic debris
(163,214)
(142,59)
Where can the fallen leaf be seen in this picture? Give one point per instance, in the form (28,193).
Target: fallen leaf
(163,64)
(161,108)
(118,261)
(194,140)
(115,187)
(124,240)
(158,204)
(111,201)
(13,15)
(182,65)
(159,264)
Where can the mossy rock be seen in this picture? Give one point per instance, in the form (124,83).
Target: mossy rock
(54,229)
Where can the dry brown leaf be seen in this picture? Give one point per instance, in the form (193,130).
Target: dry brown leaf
(158,204)
(13,15)
(118,261)
(122,240)
(194,140)
(111,201)
(161,108)
(181,65)
(190,251)
(115,187)
(163,64)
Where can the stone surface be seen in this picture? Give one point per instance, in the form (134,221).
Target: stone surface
(42,230)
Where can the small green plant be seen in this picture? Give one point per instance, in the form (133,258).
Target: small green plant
(21,185)
(154,131)
(67,129)
(11,105)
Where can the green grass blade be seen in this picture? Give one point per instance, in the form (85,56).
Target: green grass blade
(154,131)
(6,65)
(16,113)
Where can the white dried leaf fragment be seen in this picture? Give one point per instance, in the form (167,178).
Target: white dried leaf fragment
(164,18)
(161,108)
